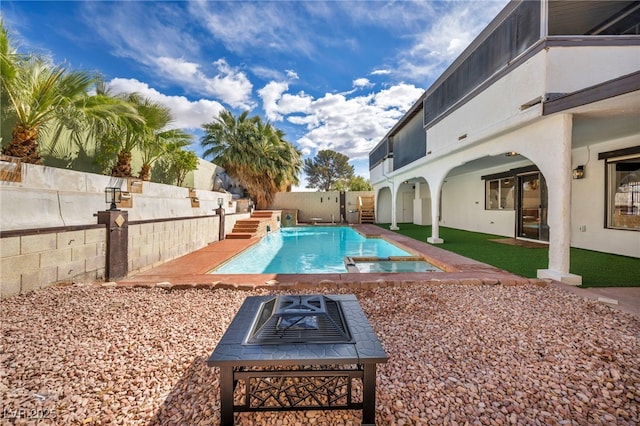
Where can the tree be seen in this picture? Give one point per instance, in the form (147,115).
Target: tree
(183,162)
(160,144)
(83,151)
(356,183)
(359,183)
(40,97)
(254,153)
(172,168)
(326,169)
(144,132)
(291,164)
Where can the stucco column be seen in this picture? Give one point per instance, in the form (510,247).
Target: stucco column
(394,221)
(435,190)
(417,205)
(557,172)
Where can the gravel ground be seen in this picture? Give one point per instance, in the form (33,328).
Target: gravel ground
(477,355)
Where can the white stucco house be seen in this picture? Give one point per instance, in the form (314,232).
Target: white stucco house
(533,132)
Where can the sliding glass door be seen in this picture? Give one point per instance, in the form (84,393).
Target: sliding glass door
(532,207)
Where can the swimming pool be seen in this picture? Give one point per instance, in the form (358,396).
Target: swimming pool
(307,250)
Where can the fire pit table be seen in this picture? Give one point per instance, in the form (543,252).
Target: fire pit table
(298,352)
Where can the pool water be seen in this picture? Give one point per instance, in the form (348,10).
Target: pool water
(307,250)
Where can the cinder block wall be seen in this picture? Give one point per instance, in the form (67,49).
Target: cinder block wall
(29,262)
(48,232)
(151,244)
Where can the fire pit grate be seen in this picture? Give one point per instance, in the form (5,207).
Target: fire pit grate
(309,352)
(299,319)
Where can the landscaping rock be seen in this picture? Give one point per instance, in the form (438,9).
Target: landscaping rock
(458,354)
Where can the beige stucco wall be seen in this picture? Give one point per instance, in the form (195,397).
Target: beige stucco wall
(323,205)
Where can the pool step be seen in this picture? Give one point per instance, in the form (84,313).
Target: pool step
(246,225)
(256,226)
(249,228)
(261,214)
(239,236)
(244,229)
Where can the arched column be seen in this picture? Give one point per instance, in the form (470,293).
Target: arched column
(556,167)
(435,187)
(394,208)
(419,207)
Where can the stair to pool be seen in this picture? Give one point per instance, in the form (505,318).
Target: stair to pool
(255,226)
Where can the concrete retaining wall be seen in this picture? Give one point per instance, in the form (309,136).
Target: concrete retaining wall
(48,232)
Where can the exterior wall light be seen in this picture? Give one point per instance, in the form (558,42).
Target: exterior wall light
(511,154)
(578,172)
(220,201)
(112,196)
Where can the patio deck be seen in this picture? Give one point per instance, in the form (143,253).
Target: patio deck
(191,269)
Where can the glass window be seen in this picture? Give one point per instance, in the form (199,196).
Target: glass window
(499,194)
(623,192)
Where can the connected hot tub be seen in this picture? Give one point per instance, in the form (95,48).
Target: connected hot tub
(389,264)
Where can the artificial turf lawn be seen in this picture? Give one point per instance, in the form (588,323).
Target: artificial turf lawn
(597,269)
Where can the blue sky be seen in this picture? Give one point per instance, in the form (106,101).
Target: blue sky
(332,75)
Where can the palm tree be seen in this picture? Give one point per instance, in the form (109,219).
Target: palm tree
(143,131)
(291,163)
(102,112)
(160,144)
(254,153)
(226,139)
(42,97)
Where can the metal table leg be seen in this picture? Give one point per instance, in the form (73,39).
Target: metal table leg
(226,396)
(369,395)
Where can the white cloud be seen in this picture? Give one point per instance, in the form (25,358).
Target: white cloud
(142,33)
(230,85)
(243,26)
(400,97)
(362,83)
(165,25)
(451,28)
(267,73)
(178,68)
(276,103)
(271,94)
(351,126)
(336,121)
(187,114)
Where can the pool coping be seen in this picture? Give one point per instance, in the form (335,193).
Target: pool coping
(191,270)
